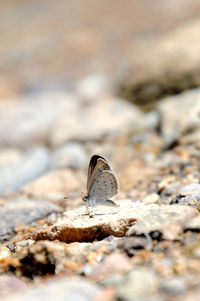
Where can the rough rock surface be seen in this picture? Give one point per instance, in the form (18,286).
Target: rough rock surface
(78,226)
(168,220)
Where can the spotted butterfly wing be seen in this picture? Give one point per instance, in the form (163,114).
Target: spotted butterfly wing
(96,166)
(104,186)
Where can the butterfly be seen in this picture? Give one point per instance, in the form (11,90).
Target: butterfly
(102,182)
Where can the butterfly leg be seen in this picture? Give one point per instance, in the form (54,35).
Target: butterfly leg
(110,203)
(89,207)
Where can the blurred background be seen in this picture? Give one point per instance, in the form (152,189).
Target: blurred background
(77,77)
(45,45)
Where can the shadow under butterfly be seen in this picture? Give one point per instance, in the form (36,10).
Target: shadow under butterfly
(102,183)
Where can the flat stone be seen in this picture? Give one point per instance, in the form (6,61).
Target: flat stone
(169,220)
(19,211)
(18,168)
(76,225)
(72,289)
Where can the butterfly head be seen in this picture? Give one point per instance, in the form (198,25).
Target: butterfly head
(85,198)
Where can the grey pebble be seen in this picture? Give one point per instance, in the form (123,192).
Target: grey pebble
(133,286)
(173,287)
(190,189)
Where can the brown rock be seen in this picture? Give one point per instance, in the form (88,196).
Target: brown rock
(76,225)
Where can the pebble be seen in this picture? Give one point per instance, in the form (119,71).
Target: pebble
(141,282)
(130,244)
(4,252)
(193,188)
(91,87)
(174,286)
(193,224)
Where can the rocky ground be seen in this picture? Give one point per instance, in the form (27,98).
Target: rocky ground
(147,247)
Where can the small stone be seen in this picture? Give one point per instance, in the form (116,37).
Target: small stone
(174,287)
(92,86)
(108,266)
(4,252)
(165,182)
(193,188)
(141,282)
(192,200)
(130,244)
(170,192)
(151,199)
(193,224)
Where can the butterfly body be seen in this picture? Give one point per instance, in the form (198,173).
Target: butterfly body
(102,182)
